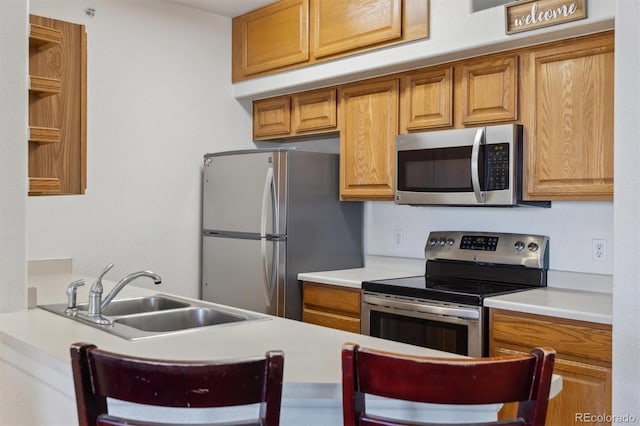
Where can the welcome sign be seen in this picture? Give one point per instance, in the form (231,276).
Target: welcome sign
(532,14)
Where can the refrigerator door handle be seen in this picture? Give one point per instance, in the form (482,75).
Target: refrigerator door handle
(269,194)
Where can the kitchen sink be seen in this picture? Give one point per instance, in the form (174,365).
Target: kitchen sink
(179,319)
(157,315)
(138,305)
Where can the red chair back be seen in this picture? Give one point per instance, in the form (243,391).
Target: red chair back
(525,379)
(99,375)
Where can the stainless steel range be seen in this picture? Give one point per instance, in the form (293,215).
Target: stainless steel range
(444,308)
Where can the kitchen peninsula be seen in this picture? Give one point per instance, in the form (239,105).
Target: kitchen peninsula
(37,384)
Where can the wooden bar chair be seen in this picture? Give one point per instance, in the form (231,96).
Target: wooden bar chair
(99,375)
(525,379)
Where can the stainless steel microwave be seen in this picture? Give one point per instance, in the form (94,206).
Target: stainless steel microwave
(480,166)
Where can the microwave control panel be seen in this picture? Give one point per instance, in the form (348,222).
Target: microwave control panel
(497,160)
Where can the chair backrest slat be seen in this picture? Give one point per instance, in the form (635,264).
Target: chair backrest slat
(99,375)
(525,379)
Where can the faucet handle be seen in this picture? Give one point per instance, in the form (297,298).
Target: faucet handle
(97,286)
(71,295)
(104,271)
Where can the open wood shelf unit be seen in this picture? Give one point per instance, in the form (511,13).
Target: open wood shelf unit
(57,107)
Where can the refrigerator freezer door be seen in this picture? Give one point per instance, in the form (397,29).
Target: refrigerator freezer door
(240,272)
(239,193)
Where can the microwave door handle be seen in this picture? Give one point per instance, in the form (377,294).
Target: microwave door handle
(475,166)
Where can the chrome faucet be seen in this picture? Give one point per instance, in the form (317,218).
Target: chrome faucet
(97,305)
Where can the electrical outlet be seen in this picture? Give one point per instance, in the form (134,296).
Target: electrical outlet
(397,238)
(599,250)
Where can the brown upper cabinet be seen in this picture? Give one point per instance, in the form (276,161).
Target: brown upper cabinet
(465,93)
(368,129)
(292,33)
(489,90)
(304,113)
(57,107)
(568,119)
(562,94)
(339,26)
(271,37)
(426,99)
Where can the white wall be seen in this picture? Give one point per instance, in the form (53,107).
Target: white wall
(571,227)
(626,280)
(13,154)
(158,99)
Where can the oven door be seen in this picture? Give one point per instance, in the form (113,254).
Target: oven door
(436,325)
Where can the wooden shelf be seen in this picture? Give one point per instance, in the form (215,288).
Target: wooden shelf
(38,186)
(44,134)
(44,86)
(44,37)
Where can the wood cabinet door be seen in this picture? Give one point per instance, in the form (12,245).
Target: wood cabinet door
(489,90)
(274,36)
(271,117)
(426,99)
(342,25)
(314,111)
(583,359)
(369,125)
(569,124)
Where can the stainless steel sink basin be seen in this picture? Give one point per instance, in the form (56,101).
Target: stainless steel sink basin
(157,315)
(180,319)
(139,305)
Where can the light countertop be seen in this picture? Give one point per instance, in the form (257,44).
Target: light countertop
(568,294)
(36,342)
(352,277)
(558,302)
(312,353)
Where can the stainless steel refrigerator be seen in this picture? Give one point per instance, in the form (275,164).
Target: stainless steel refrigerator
(268,215)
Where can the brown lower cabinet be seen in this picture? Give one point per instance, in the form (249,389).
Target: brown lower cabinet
(583,360)
(331,306)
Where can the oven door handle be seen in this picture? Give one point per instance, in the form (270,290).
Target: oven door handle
(422,308)
(475,165)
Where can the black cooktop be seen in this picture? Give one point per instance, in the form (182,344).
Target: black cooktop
(465,267)
(445,290)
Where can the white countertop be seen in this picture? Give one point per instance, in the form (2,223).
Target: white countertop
(558,302)
(565,297)
(36,342)
(312,353)
(352,277)
(376,268)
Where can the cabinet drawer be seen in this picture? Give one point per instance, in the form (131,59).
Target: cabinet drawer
(569,338)
(331,320)
(332,299)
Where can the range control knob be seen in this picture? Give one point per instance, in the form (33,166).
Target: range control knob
(432,242)
(450,241)
(441,241)
(519,245)
(533,247)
